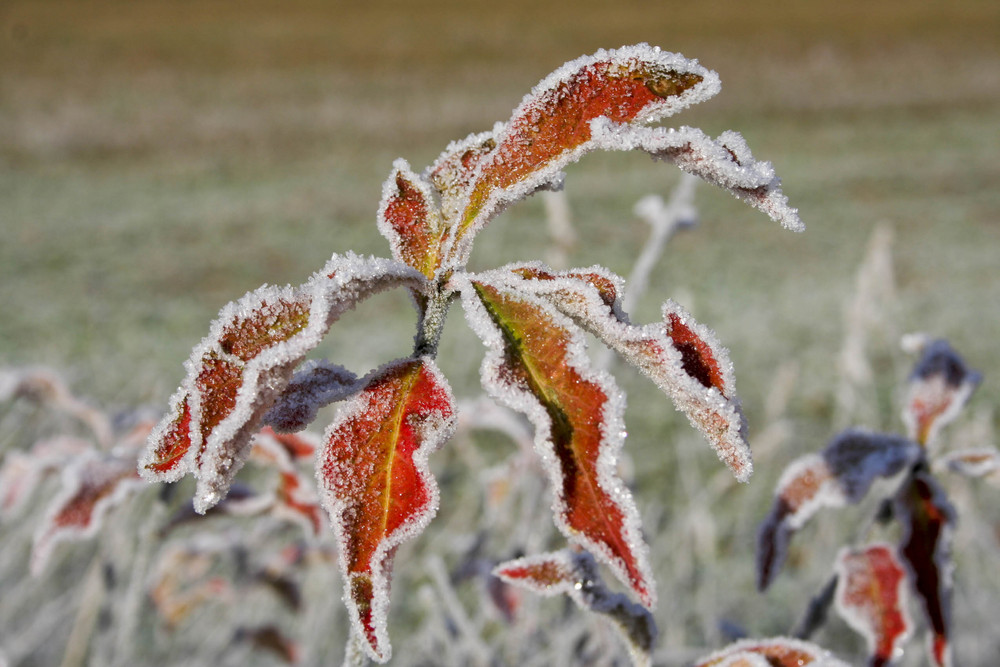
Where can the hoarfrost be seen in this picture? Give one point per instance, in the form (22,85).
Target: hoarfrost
(315,385)
(682,357)
(938,389)
(376,485)
(238,372)
(576,574)
(553,352)
(776,651)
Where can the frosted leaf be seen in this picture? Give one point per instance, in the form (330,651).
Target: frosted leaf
(238,372)
(841,474)
(315,385)
(872,595)
(576,574)
(682,357)
(91,485)
(454,170)
(409,219)
(777,652)
(979,462)
(22,471)
(939,388)
(47,387)
(551,128)
(725,162)
(928,521)
(536,363)
(376,486)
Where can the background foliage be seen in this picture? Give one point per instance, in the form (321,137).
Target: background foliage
(158,159)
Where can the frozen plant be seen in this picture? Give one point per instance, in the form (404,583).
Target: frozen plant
(875,580)
(372,466)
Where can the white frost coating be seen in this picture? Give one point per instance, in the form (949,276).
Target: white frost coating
(827,493)
(452,177)
(338,287)
(520,398)
(22,471)
(315,385)
(546,176)
(653,352)
(580,580)
(433,430)
(94,470)
(725,162)
(816,655)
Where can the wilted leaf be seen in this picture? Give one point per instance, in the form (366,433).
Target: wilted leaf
(91,485)
(375,483)
(682,357)
(775,652)
(928,521)
(872,596)
(409,219)
(576,575)
(938,389)
(536,364)
(841,474)
(242,367)
(552,126)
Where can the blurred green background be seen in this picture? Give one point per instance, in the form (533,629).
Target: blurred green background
(160,158)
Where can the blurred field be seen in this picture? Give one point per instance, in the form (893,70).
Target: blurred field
(158,159)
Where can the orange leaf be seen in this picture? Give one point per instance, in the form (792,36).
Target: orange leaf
(575,574)
(375,483)
(872,594)
(552,126)
(239,371)
(92,485)
(409,219)
(536,364)
(682,357)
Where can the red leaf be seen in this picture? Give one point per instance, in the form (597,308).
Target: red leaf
(842,474)
(92,485)
(22,471)
(552,126)
(409,219)
(928,521)
(375,483)
(776,652)
(241,368)
(576,575)
(536,364)
(682,357)
(872,594)
(938,389)
(980,462)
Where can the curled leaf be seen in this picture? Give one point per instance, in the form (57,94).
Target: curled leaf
(314,385)
(239,371)
(725,162)
(979,462)
(841,474)
(681,356)
(928,521)
(91,485)
(552,126)
(376,486)
(575,574)
(774,652)
(872,595)
(939,387)
(536,364)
